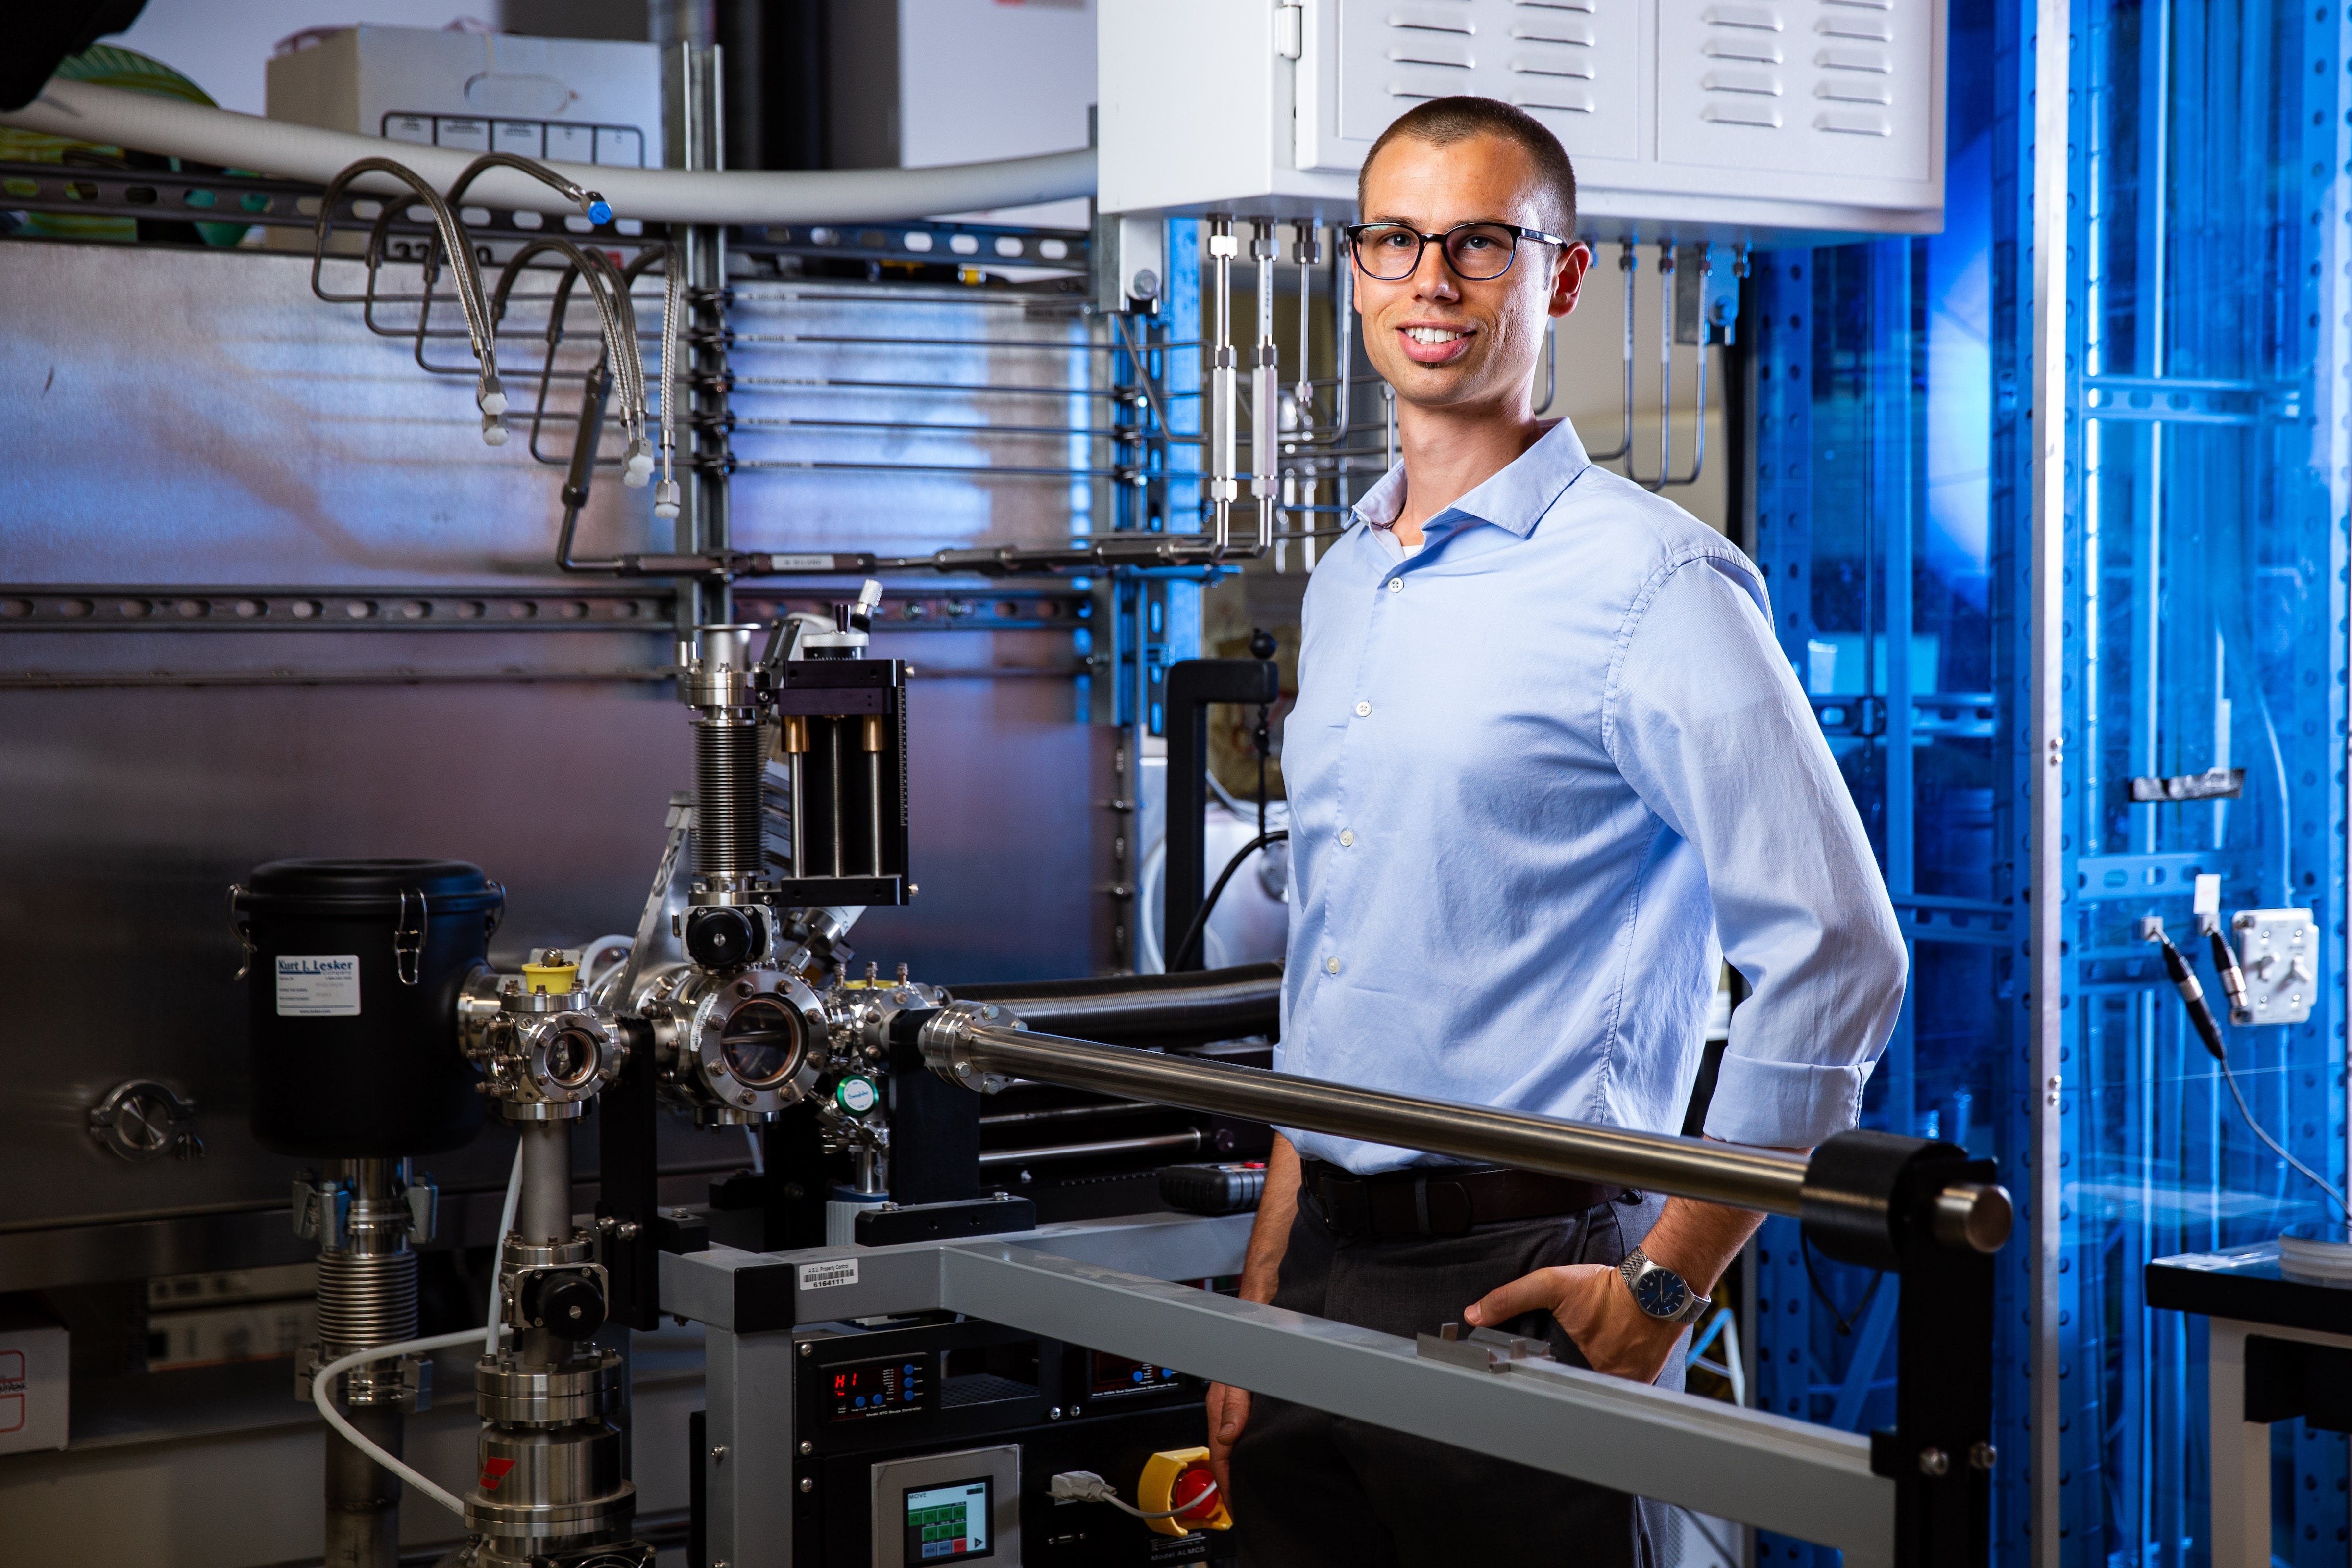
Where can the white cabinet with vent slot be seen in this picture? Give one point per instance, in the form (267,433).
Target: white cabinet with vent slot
(1728,119)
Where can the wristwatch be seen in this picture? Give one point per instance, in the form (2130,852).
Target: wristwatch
(1660,1292)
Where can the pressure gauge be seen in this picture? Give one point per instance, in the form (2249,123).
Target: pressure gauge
(855,1095)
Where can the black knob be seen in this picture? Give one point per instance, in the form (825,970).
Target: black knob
(568,1306)
(720,937)
(1262,644)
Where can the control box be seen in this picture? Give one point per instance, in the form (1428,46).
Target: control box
(1691,120)
(2279,950)
(935,1439)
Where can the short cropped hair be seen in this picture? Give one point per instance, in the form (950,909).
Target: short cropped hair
(1442,121)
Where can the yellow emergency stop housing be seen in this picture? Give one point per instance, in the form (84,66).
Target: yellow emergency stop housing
(1155,1492)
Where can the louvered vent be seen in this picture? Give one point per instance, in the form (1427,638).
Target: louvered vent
(1430,49)
(1745,48)
(1552,46)
(1856,58)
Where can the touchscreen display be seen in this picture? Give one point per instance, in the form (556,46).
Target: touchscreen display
(948,1524)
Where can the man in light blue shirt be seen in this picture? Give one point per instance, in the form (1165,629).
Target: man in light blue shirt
(1546,755)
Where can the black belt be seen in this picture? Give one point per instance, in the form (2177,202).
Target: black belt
(1445,1199)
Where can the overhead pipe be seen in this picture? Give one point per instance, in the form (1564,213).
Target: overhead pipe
(109,116)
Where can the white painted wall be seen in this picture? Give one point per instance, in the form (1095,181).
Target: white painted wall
(984,78)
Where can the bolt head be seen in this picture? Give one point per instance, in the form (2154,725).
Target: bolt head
(1983,1455)
(1933,1462)
(807,1447)
(807,1484)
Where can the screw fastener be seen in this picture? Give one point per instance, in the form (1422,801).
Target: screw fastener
(718,1452)
(807,1447)
(1983,1455)
(807,1484)
(1933,1462)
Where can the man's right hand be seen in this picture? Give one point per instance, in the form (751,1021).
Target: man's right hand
(1229,1407)
(1229,1410)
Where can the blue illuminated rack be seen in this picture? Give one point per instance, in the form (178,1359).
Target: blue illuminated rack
(2206,557)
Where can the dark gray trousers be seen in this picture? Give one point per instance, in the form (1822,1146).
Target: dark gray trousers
(1311,1488)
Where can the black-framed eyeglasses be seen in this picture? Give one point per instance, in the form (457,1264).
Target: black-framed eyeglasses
(1477,252)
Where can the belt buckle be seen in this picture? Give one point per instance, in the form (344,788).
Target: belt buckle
(1346,1206)
(1454,1214)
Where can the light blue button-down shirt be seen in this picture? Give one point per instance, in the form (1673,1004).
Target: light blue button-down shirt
(1534,770)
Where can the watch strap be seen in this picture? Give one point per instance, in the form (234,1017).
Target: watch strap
(1638,1263)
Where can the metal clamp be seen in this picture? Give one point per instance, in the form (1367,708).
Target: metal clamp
(408,940)
(141,1120)
(243,933)
(1481,1350)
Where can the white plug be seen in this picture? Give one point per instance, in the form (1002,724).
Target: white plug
(493,398)
(665,499)
(1082,1486)
(494,431)
(638,469)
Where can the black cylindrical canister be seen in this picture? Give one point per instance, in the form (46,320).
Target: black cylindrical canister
(353,969)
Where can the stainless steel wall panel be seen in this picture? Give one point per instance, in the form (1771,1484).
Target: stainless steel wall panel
(185,419)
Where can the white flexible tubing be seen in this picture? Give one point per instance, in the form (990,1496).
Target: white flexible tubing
(588,951)
(498,1252)
(121,118)
(322,1384)
(322,1387)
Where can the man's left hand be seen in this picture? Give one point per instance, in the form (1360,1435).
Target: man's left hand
(1596,1307)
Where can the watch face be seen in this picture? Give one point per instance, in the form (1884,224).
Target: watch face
(1661,1293)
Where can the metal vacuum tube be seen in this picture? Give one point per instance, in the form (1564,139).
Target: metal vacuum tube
(551,1486)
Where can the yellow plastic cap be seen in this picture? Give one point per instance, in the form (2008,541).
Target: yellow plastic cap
(551,971)
(1156,1492)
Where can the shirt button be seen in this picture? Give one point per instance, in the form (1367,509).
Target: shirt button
(1363,709)
(1347,837)
(1396,585)
(1330,966)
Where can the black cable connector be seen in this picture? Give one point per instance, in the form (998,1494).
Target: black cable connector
(2192,996)
(2234,979)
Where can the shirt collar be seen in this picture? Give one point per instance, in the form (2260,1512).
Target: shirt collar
(1514,499)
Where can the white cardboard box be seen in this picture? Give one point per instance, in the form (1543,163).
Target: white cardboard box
(34,1384)
(576,100)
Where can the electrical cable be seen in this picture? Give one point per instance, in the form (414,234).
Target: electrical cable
(323,1384)
(506,1227)
(323,1381)
(1843,1321)
(1084,1486)
(1180,956)
(2208,1030)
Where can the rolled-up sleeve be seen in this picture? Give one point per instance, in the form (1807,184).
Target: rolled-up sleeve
(1706,721)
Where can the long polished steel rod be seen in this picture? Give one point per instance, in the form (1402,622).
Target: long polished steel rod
(1730,1173)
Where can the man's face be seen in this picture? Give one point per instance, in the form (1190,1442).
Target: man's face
(1440,340)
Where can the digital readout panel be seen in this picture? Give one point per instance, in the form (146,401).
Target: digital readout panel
(876,1388)
(948,1524)
(1113,1374)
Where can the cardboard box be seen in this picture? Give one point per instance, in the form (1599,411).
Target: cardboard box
(576,100)
(33,1383)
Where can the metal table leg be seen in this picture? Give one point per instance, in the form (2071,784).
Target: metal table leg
(2242,1455)
(748,1395)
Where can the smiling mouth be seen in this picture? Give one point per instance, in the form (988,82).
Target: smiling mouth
(1434,336)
